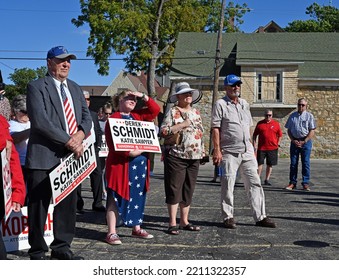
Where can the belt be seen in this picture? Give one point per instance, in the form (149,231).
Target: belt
(300,139)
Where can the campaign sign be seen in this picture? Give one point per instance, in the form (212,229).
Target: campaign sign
(103,149)
(129,135)
(7,184)
(15,230)
(71,172)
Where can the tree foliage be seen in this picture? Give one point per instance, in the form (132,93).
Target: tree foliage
(145,31)
(324,19)
(233,17)
(20,78)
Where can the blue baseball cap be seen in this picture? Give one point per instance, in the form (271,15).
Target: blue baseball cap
(60,52)
(231,80)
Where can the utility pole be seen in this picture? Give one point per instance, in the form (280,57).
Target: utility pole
(217,62)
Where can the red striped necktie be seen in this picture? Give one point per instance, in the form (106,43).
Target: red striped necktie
(72,123)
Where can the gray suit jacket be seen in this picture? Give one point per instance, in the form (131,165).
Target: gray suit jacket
(48,136)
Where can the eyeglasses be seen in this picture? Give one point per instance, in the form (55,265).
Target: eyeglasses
(236,85)
(268,115)
(60,60)
(106,113)
(302,105)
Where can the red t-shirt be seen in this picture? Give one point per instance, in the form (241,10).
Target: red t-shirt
(268,133)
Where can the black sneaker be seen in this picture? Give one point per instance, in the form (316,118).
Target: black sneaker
(67,255)
(266,222)
(267,183)
(39,258)
(230,223)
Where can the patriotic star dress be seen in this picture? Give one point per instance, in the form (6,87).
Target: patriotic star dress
(132,211)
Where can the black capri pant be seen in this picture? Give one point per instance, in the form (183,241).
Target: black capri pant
(180,178)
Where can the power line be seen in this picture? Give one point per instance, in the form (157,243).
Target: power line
(30,51)
(43,59)
(38,11)
(7,66)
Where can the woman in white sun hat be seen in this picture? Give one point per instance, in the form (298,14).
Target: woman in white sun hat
(182,159)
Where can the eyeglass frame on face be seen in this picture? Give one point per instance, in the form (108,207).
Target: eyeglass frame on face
(236,85)
(60,60)
(302,105)
(105,113)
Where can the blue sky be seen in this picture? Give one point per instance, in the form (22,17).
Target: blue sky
(29,28)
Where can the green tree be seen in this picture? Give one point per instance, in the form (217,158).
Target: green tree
(232,18)
(145,31)
(20,78)
(324,19)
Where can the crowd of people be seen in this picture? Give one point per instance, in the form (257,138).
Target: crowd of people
(53,119)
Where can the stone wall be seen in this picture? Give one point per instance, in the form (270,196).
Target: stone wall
(324,105)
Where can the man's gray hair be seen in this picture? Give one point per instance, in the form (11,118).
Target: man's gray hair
(19,103)
(268,111)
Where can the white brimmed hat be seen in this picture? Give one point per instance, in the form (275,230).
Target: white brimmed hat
(184,87)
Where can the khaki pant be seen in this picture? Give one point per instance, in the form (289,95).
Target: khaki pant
(247,165)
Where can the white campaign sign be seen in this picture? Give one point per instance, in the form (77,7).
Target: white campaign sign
(7,184)
(71,172)
(103,149)
(15,230)
(129,135)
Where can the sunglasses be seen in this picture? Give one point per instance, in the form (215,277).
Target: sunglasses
(108,113)
(236,85)
(302,105)
(268,115)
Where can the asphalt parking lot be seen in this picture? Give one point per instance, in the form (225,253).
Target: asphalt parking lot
(307,223)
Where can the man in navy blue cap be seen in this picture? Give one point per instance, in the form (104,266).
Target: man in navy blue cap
(231,122)
(60,119)
(60,52)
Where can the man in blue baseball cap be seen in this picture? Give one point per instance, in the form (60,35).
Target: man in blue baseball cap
(233,150)
(232,80)
(60,120)
(60,52)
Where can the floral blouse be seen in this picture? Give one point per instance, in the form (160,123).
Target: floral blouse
(191,146)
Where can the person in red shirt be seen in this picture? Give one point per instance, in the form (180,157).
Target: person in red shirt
(269,133)
(127,172)
(17,179)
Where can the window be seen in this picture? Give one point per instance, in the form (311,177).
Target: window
(269,86)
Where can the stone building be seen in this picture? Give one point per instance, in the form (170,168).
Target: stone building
(276,70)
